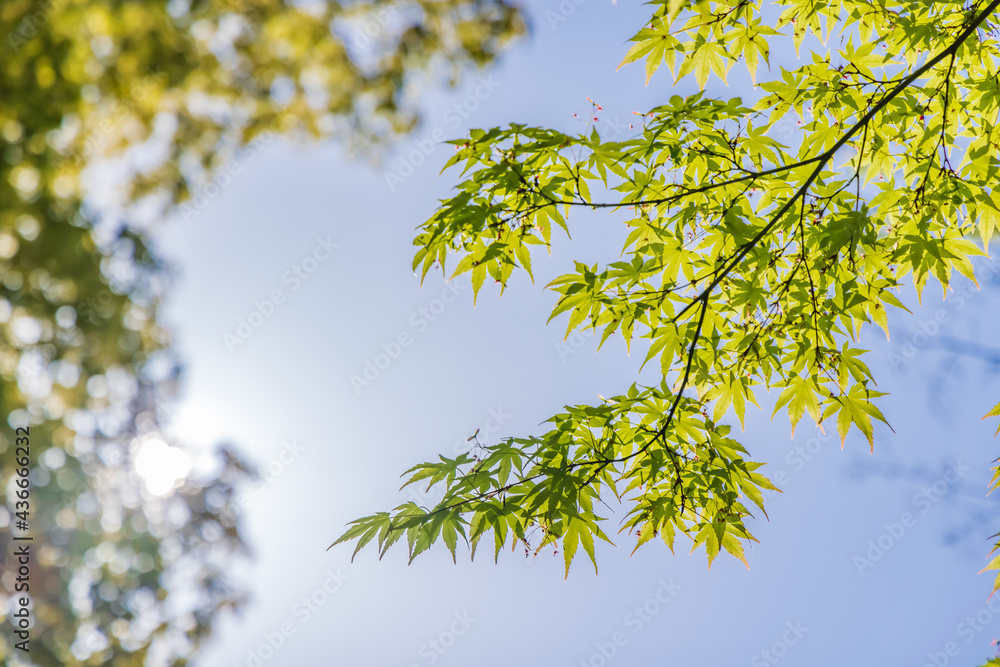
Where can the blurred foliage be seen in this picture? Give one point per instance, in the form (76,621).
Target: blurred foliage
(112,114)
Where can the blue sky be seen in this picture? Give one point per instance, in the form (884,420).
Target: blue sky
(330,235)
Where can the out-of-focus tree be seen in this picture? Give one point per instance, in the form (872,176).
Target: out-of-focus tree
(111,115)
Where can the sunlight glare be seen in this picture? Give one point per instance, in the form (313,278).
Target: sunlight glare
(161,467)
